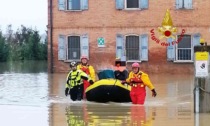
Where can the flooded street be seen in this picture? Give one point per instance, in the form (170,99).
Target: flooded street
(31,96)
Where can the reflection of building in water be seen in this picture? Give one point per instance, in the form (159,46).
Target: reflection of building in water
(180,93)
(97,115)
(174,100)
(76,115)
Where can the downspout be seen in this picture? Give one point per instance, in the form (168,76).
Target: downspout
(51,37)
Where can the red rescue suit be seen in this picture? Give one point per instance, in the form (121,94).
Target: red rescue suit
(86,83)
(138,82)
(138,91)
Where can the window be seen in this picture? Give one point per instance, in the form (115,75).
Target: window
(182,51)
(73,51)
(72,47)
(131,4)
(73,5)
(184,48)
(132,47)
(184,4)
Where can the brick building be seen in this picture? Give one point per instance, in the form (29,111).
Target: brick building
(106,29)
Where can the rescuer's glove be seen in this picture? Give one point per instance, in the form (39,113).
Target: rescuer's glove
(66,91)
(154,93)
(91,82)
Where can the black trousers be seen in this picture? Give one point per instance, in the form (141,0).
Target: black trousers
(76,93)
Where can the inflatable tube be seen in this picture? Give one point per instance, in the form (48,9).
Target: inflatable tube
(108,90)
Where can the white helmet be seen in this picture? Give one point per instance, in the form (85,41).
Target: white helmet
(73,64)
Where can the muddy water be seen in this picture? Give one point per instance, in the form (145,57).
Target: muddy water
(34,97)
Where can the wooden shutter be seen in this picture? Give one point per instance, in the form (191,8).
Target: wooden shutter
(62,47)
(84,4)
(143,47)
(61,4)
(120,49)
(170,50)
(143,4)
(119,4)
(84,45)
(179,4)
(188,4)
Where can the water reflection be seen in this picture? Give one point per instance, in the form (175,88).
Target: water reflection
(110,114)
(23,67)
(83,114)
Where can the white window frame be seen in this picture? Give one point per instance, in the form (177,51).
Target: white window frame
(138,47)
(176,52)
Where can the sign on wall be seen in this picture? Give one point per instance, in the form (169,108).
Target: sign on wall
(201,64)
(167,30)
(101,42)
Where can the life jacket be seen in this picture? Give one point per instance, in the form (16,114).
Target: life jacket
(74,79)
(85,69)
(138,81)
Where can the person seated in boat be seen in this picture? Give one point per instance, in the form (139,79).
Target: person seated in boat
(139,81)
(89,70)
(120,72)
(74,83)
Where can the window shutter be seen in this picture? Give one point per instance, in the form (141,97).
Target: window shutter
(84,4)
(188,4)
(179,4)
(170,50)
(69,4)
(84,45)
(143,47)
(61,4)
(62,47)
(143,4)
(120,49)
(119,4)
(196,39)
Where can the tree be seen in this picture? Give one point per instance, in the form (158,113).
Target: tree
(24,44)
(4,48)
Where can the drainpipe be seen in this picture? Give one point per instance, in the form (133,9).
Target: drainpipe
(51,37)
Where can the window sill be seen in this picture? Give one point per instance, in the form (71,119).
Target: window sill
(73,10)
(181,61)
(68,61)
(132,9)
(129,61)
(184,8)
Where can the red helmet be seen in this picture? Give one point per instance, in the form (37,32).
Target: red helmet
(135,65)
(84,57)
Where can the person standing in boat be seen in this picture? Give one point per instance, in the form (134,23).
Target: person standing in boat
(139,81)
(121,73)
(88,69)
(74,84)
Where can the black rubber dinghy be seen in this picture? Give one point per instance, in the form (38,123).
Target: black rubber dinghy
(108,90)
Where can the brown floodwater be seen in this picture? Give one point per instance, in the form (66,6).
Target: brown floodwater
(34,97)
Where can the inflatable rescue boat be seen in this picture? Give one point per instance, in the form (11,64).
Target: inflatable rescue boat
(108,90)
